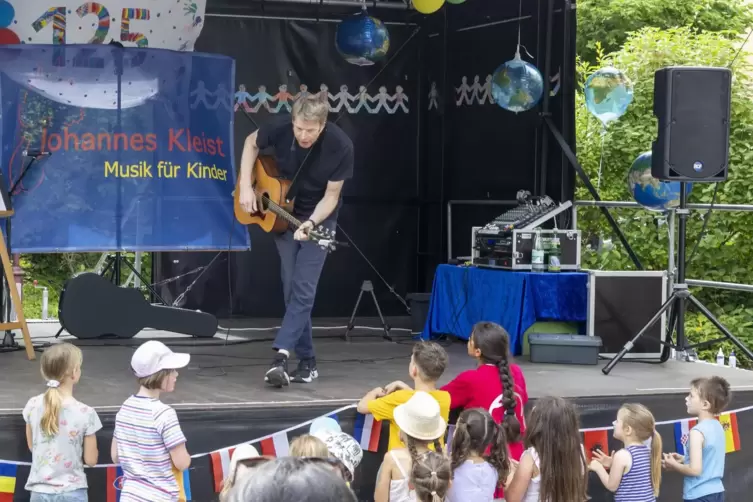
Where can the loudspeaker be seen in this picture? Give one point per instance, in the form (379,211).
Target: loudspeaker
(692,107)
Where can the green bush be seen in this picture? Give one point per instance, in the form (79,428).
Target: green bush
(725,251)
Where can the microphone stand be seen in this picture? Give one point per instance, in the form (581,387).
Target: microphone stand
(9,343)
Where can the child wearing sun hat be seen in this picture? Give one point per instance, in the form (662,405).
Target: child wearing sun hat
(421,424)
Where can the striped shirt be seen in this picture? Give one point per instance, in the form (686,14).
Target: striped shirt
(146,430)
(636,483)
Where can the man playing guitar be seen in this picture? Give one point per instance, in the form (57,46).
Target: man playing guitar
(318,156)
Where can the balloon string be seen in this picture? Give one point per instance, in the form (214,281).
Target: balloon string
(520,20)
(601,160)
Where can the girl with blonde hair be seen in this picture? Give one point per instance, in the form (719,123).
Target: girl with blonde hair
(60,431)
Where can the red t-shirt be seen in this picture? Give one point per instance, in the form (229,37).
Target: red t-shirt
(482,388)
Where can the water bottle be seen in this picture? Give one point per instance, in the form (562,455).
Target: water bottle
(720,358)
(555,253)
(732,360)
(537,255)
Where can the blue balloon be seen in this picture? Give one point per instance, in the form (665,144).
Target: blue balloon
(324,424)
(608,94)
(517,85)
(649,192)
(362,39)
(7,13)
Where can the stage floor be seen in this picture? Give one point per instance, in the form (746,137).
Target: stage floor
(222,376)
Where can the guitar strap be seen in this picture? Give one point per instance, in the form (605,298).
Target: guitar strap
(305,166)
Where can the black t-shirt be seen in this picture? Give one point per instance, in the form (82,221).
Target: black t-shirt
(330,160)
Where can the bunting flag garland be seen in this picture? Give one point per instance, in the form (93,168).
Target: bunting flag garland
(367,432)
(114,483)
(7,481)
(682,434)
(220,467)
(731,433)
(448,440)
(276,446)
(595,440)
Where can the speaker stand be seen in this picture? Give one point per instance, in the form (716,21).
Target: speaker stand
(680,294)
(367,287)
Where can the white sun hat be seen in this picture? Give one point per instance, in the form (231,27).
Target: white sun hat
(420,417)
(154,356)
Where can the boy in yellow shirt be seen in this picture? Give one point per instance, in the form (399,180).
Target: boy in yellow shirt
(427,364)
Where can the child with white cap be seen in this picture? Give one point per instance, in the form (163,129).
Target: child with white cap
(148,441)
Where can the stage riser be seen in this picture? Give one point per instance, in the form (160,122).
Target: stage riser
(208,430)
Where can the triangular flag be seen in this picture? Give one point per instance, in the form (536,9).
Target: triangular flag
(8,474)
(367,432)
(183,478)
(595,440)
(220,467)
(114,483)
(276,446)
(731,432)
(682,434)
(450,434)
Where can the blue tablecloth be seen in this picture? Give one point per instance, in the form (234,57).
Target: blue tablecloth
(463,296)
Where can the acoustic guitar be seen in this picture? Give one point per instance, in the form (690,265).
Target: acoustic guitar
(92,307)
(275,216)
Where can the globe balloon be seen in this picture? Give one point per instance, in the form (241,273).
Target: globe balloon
(517,85)
(455,2)
(362,39)
(427,6)
(649,192)
(324,424)
(608,94)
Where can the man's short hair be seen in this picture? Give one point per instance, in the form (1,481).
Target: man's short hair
(311,109)
(430,359)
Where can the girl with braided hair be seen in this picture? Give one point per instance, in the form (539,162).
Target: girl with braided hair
(476,474)
(421,424)
(431,477)
(496,385)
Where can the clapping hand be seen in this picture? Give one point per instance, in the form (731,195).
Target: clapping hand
(602,458)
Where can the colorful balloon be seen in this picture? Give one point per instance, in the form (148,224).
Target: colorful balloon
(428,6)
(455,2)
(608,94)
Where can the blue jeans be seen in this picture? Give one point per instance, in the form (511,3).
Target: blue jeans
(714,497)
(301,264)
(74,496)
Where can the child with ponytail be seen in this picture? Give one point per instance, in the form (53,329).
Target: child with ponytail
(431,477)
(421,424)
(60,431)
(634,471)
(496,385)
(477,475)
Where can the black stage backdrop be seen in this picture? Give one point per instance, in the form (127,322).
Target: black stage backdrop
(380,212)
(477,150)
(409,164)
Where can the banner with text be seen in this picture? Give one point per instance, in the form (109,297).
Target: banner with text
(130,149)
(158,24)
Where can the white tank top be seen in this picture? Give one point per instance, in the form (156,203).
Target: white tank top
(399,488)
(534,487)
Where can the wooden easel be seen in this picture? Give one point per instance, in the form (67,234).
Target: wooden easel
(20,323)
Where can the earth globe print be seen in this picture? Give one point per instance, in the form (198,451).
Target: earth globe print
(517,85)
(650,192)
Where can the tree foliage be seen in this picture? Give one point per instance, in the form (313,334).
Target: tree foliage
(609,22)
(725,251)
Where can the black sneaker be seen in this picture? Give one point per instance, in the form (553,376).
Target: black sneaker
(306,371)
(277,374)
